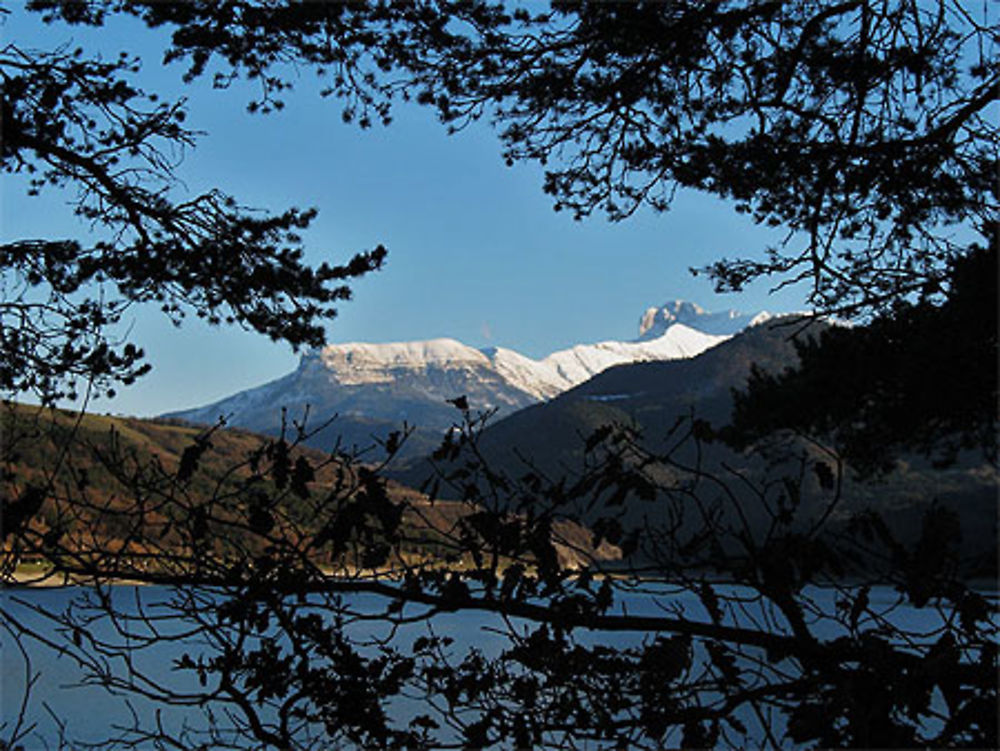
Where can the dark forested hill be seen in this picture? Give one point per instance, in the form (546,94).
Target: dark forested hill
(649,398)
(648,395)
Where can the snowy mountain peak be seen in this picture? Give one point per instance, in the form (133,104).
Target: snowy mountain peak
(655,322)
(388,383)
(356,363)
(421,352)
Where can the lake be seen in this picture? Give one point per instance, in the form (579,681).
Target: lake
(89,713)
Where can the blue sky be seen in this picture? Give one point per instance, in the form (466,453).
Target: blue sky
(476,252)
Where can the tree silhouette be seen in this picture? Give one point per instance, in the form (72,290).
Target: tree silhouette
(867,128)
(79,124)
(311,604)
(860,385)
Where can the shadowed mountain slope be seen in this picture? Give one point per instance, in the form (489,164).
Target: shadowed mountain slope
(646,395)
(648,398)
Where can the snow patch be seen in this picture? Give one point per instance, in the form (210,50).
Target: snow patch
(357,363)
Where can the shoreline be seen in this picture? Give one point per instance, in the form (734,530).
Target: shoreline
(26,578)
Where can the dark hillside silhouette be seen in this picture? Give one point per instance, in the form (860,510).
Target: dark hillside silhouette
(859,385)
(648,399)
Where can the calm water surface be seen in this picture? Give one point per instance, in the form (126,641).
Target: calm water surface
(90,713)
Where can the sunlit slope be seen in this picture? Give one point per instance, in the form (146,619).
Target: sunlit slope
(96,471)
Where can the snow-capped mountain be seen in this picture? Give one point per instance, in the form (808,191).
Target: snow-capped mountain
(375,387)
(656,321)
(568,367)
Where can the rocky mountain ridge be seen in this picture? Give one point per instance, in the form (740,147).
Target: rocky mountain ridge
(655,321)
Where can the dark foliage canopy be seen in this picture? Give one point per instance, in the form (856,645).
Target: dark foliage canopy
(81,125)
(864,128)
(867,128)
(922,378)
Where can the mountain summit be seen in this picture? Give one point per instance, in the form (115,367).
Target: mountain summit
(373,388)
(656,321)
